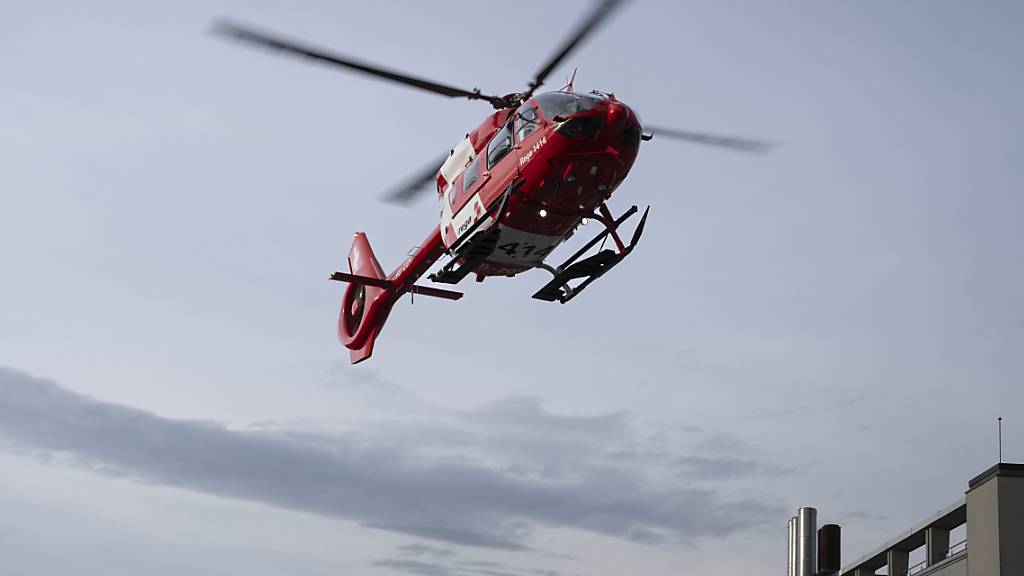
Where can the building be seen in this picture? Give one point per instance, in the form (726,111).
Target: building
(991,544)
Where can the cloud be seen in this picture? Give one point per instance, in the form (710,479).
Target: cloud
(421,549)
(435,568)
(868,516)
(484,478)
(725,468)
(426,568)
(850,401)
(423,559)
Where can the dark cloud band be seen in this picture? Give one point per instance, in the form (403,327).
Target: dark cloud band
(386,485)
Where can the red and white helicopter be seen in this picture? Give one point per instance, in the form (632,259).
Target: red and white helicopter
(510,191)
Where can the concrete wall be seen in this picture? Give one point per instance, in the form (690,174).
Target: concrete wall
(1011,525)
(983,529)
(995,522)
(955,566)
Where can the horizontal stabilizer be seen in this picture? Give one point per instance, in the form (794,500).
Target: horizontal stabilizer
(435,292)
(364,280)
(387,284)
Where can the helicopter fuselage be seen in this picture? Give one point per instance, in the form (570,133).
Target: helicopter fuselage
(565,154)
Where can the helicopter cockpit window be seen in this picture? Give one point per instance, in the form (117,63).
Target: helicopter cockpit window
(500,145)
(527,121)
(554,104)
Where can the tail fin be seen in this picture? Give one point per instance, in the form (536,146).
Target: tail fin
(365,306)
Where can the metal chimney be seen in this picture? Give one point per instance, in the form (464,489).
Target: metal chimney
(828,550)
(807,542)
(791,562)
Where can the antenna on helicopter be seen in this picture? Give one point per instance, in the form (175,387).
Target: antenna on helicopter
(568,87)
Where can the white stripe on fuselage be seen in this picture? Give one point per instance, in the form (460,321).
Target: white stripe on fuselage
(464,220)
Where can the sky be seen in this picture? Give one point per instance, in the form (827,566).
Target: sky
(835,324)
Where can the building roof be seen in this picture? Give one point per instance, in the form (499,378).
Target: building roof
(1001,469)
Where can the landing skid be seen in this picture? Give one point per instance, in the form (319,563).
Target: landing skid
(592,267)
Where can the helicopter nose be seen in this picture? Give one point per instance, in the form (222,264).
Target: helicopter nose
(622,127)
(616,117)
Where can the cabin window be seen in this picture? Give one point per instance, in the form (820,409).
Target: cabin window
(500,145)
(453,192)
(554,104)
(527,121)
(471,174)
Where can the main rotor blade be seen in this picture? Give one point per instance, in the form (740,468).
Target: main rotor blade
(600,12)
(299,49)
(712,139)
(415,184)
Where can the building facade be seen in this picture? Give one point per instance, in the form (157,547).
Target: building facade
(993,512)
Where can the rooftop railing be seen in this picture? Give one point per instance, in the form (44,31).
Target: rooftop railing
(923,564)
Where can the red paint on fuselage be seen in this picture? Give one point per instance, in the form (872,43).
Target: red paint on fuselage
(568,175)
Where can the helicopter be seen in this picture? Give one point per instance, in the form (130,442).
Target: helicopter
(510,191)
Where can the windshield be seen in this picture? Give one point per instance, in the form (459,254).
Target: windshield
(564,103)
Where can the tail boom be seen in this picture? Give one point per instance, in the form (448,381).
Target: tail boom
(370,295)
